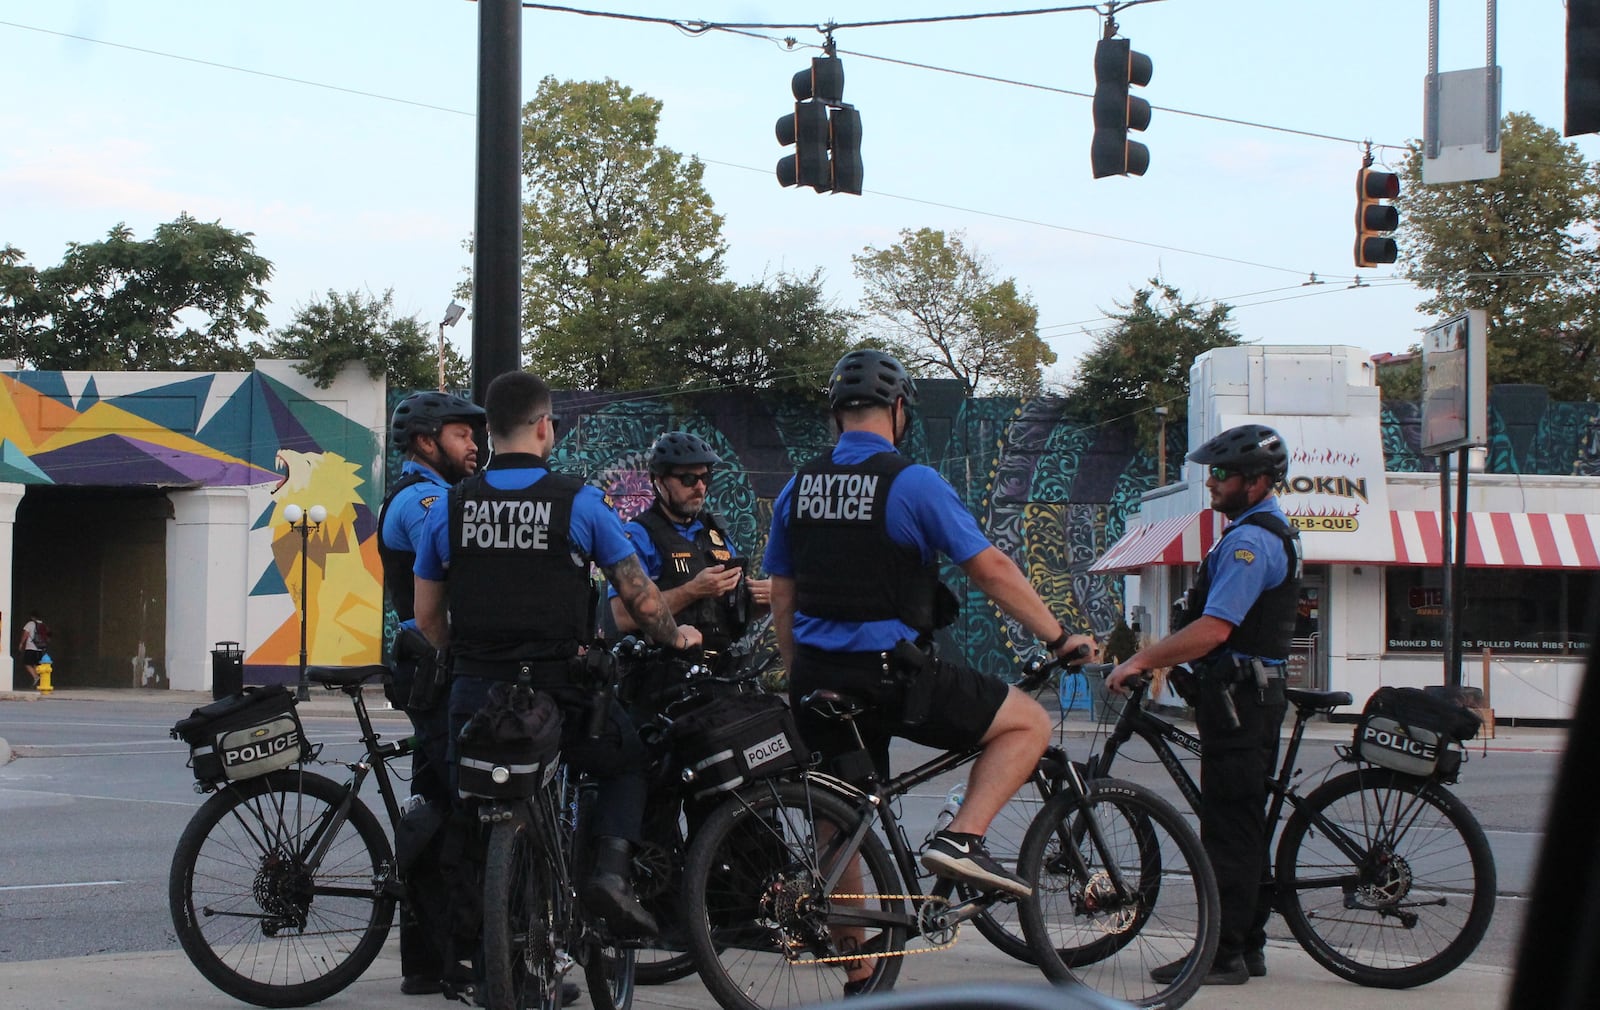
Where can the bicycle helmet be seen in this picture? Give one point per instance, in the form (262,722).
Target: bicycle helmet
(1249,449)
(426,413)
(866,377)
(680,448)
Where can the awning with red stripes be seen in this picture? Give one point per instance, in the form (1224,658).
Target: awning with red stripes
(1179,540)
(1503,539)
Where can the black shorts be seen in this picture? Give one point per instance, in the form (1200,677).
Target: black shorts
(32,657)
(964,704)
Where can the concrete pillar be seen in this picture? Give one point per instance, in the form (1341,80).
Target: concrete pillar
(10,496)
(207,579)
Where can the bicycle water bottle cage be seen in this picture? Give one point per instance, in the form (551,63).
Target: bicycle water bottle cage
(833,705)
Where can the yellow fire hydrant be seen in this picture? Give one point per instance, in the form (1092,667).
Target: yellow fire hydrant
(45,668)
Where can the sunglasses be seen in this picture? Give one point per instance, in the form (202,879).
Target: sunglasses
(1222,473)
(555,423)
(689,480)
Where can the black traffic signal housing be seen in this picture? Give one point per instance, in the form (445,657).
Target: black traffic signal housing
(1117,68)
(825,132)
(1375,218)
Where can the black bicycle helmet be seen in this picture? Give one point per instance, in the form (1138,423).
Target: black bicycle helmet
(680,448)
(866,377)
(1249,449)
(426,413)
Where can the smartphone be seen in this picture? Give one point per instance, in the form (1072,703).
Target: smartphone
(743,564)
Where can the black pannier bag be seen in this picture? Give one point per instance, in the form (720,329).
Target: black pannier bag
(510,745)
(244,735)
(733,740)
(1414,731)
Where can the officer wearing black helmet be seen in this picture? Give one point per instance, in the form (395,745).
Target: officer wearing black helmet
(685,549)
(437,433)
(853,557)
(1234,631)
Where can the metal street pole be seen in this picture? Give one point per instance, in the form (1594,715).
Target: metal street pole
(303,692)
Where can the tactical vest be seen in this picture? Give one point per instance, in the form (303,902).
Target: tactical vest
(1268,625)
(516,590)
(721,619)
(846,566)
(397,564)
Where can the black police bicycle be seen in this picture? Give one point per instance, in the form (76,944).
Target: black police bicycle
(1382,875)
(799,879)
(283,886)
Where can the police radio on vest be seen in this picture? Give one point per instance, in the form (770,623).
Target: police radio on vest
(517,525)
(835,496)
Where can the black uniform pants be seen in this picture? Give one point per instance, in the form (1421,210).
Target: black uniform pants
(1234,764)
(420,929)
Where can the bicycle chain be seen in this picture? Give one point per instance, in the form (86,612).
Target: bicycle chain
(955,934)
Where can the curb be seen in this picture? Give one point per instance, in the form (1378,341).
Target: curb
(5,752)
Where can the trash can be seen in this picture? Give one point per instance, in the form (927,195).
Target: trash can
(227,670)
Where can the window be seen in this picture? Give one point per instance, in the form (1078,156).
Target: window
(1536,611)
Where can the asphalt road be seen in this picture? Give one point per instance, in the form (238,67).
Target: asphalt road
(95,800)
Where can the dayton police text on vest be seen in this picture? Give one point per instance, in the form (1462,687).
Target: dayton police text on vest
(524,525)
(835,496)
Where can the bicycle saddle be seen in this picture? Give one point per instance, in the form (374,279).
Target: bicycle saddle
(833,705)
(345,676)
(1317,701)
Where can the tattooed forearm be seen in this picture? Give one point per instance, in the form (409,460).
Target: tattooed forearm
(643,600)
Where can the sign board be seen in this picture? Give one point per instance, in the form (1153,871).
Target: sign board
(1455,401)
(1461,126)
(1336,493)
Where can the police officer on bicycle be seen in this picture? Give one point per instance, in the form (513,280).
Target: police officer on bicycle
(514,547)
(856,597)
(1234,631)
(437,433)
(685,548)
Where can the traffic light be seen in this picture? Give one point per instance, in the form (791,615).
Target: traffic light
(825,132)
(1117,68)
(1374,218)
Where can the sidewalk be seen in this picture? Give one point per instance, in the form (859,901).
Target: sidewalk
(166,979)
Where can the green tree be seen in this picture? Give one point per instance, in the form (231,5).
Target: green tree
(1521,246)
(606,213)
(1143,360)
(939,306)
(180,300)
(360,327)
(781,333)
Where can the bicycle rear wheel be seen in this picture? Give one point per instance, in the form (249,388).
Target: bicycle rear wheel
(762,931)
(1084,927)
(520,910)
(1385,879)
(256,920)
(610,972)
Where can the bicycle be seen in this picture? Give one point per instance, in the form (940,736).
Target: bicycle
(283,887)
(795,879)
(1372,866)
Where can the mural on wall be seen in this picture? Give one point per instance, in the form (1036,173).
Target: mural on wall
(179,431)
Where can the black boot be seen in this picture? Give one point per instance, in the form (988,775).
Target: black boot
(608,893)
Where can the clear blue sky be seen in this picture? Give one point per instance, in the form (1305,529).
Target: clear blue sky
(346,191)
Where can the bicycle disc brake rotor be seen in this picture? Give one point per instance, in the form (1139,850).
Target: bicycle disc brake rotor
(283,890)
(1098,897)
(1387,879)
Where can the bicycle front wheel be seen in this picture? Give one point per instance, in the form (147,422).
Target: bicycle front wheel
(1385,879)
(764,930)
(1121,887)
(1001,922)
(255,916)
(610,974)
(519,917)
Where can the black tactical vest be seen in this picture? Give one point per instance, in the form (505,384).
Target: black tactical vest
(846,566)
(722,619)
(397,564)
(1268,626)
(516,590)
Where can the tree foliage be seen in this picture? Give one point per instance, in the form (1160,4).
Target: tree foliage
(360,327)
(181,300)
(1143,360)
(939,306)
(1522,247)
(607,215)
(778,334)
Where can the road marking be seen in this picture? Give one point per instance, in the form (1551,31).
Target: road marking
(92,796)
(45,887)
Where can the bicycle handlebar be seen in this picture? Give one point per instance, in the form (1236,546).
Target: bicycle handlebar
(1038,673)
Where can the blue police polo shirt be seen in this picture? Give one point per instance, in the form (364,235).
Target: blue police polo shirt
(402,523)
(923,511)
(1246,562)
(594,530)
(649,557)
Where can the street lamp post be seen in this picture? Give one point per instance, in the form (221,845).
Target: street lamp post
(1161,448)
(304,521)
(452,312)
